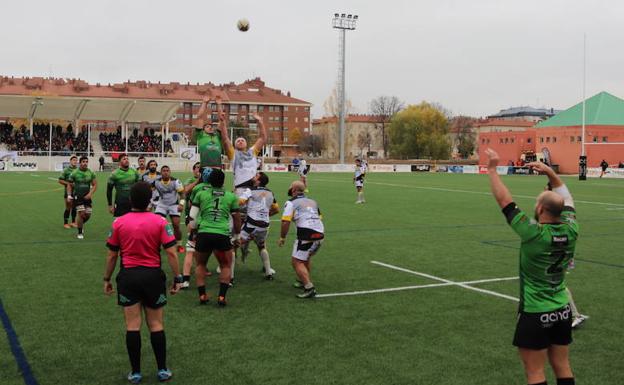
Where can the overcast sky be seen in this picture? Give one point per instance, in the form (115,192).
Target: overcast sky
(473,57)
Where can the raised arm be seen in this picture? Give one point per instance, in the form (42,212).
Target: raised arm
(262,133)
(202,113)
(499,190)
(223,129)
(556,184)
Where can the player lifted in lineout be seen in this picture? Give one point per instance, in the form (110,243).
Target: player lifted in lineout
(210,144)
(69,207)
(80,190)
(310,234)
(261,204)
(303,172)
(168,203)
(121,180)
(358,179)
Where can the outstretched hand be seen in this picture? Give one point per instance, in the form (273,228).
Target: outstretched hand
(540,167)
(493,158)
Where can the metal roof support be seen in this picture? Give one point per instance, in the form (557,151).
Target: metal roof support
(127,110)
(169,113)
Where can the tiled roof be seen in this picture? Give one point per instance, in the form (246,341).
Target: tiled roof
(250,91)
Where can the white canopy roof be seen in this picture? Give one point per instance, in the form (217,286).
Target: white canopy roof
(72,108)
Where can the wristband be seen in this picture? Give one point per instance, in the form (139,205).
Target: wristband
(178,279)
(182,202)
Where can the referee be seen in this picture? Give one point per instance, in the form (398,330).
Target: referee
(141,283)
(544,327)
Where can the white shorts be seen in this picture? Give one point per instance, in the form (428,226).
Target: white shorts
(165,210)
(359,183)
(258,234)
(303,250)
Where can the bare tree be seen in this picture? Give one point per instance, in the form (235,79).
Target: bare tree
(383,108)
(463,135)
(331,105)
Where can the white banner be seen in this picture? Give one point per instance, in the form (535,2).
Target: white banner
(382,167)
(275,167)
(23,166)
(8,156)
(594,172)
(403,168)
(322,167)
(469,169)
(188,153)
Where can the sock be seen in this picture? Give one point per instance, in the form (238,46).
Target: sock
(187,278)
(86,220)
(73,215)
(201,290)
(133,344)
(541,383)
(264,255)
(359,197)
(80,230)
(565,381)
(65,216)
(309,286)
(232,266)
(159,345)
(223,288)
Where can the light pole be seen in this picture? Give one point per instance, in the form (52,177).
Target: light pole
(342,22)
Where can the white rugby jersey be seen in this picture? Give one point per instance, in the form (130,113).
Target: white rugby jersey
(151,178)
(359,172)
(306,215)
(245,165)
(303,167)
(168,191)
(259,201)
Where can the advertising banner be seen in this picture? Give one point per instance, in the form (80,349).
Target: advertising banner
(188,153)
(469,169)
(23,166)
(275,167)
(594,172)
(403,168)
(441,168)
(382,167)
(483,170)
(421,167)
(455,169)
(502,170)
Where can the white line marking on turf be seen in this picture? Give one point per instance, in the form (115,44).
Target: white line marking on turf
(375,291)
(34,175)
(54,179)
(465,286)
(615,208)
(466,191)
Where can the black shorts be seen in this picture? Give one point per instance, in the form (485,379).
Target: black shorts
(122,208)
(145,285)
(540,330)
(208,242)
(83,203)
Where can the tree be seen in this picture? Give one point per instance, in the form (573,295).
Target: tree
(295,136)
(364,141)
(463,135)
(419,131)
(331,105)
(384,108)
(312,144)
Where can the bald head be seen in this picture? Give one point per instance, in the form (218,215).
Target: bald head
(297,187)
(551,203)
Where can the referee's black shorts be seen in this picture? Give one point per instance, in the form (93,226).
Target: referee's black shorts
(145,285)
(209,242)
(538,331)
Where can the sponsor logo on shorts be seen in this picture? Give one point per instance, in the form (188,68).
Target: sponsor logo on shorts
(123,299)
(161,300)
(555,316)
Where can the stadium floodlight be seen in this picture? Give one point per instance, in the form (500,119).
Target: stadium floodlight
(342,23)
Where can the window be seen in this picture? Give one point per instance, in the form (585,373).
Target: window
(296,120)
(271,109)
(233,108)
(306,119)
(604,139)
(595,139)
(243,107)
(578,139)
(285,108)
(482,141)
(213,106)
(488,141)
(541,139)
(253,108)
(571,139)
(195,105)
(306,109)
(260,108)
(506,140)
(548,139)
(214,117)
(285,118)
(512,140)
(501,140)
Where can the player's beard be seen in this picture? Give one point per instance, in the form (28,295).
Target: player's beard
(152,170)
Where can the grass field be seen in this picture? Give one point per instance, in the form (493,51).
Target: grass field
(444,225)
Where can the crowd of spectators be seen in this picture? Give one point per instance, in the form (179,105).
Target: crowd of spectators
(64,142)
(145,142)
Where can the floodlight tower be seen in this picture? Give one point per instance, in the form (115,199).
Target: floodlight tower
(343,23)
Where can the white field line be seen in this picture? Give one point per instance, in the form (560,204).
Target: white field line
(375,291)
(464,191)
(35,175)
(460,284)
(54,179)
(615,208)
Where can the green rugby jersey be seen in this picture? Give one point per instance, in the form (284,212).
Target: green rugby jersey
(122,181)
(215,206)
(210,148)
(66,173)
(545,252)
(82,182)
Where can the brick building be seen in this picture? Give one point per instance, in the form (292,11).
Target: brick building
(362,136)
(559,139)
(284,116)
